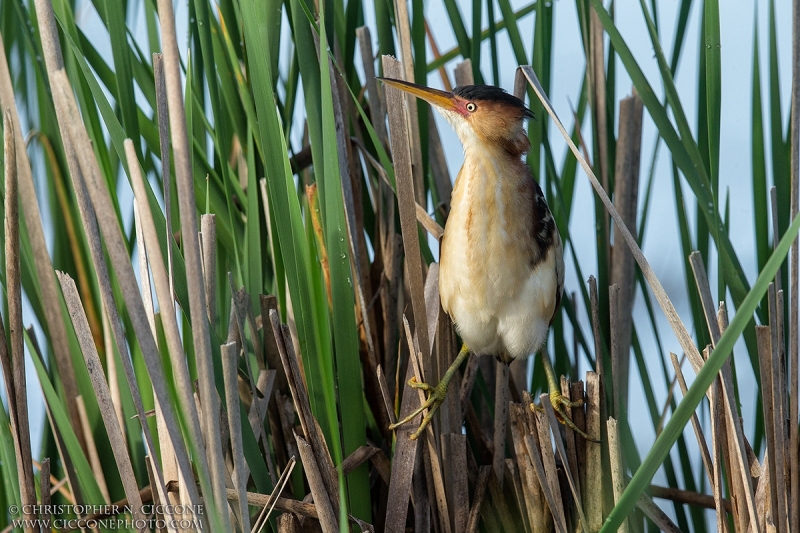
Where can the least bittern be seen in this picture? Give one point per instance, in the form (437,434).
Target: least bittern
(501,270)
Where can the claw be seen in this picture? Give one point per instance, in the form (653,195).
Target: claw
(559,401)
(436,396)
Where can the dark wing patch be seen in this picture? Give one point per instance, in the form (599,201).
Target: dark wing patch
(559,292)
(544,227)
(546,240)
(492,94)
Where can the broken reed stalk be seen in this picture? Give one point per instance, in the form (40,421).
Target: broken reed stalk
(81,164)
(778,423)
(58,340)
(191,253)
(48,285)
(230,359)
(311,433)
(794,280)
(103,395)
(716,323)
(208,242)
(617,468)
(406,63)
(162,113)
(405,455)
(406,198)
(13,359)
(623,267)
(161,280)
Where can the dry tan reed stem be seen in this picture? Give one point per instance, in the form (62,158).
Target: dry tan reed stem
(435,370)
(765,353)
(576,446)
(162,113)
(779,413)
(191,252)
(704,290)
(45,487)
(572,480)
(91,450)
(626,192)
(375,95)
(55,324)
(596,77)
(532,499)
(16,387)
(103,395)
(208,242)
(98,215)
(594,486)
(617,468)
(717,442)
(743,485)
(477,501)
(172,334)
(412,125)
(398,127)
(403,463)
(773,197)
(147,291)
(598,349)
(555,505)
(618,366)
(313,436)
(794,279)
(167,452)
(500,419)
(229,354)
(655,514)
(454,449)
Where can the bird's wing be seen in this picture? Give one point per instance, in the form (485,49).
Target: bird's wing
(559,262)
(548,241)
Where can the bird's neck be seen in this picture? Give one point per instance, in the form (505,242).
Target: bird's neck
(492,166)
(493,195)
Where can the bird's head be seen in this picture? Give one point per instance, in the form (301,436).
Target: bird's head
(479,113)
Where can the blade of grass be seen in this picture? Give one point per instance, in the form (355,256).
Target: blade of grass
(346,344)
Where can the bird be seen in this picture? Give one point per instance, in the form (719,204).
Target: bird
(501,264)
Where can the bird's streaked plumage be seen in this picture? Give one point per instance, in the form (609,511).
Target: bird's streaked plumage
(501,268)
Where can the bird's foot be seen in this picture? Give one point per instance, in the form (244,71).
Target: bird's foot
(436,396)
(559,401)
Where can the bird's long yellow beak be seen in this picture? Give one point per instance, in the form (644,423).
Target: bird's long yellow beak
(442,99)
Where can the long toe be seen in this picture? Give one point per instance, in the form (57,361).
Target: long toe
(559,401)
(436,396)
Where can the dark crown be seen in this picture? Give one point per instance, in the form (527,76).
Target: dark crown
(491,94)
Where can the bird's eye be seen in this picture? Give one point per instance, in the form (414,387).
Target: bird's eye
(471,107)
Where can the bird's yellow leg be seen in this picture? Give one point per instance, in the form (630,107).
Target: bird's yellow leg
(559,401)
(436,395)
